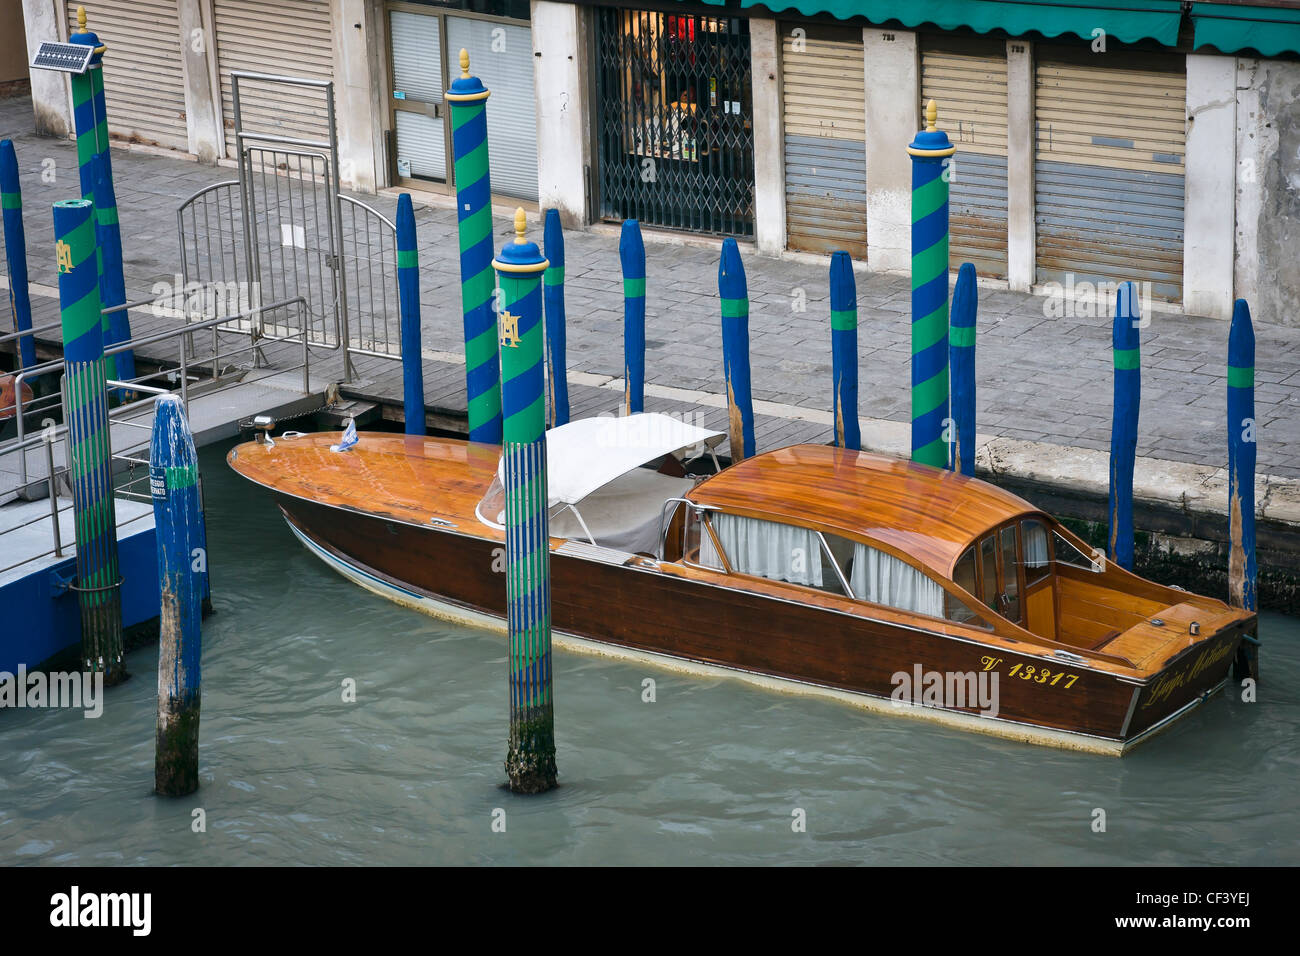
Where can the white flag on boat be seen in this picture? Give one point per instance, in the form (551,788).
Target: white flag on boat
(349,437)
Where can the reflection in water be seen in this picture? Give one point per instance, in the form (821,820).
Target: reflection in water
(709,773)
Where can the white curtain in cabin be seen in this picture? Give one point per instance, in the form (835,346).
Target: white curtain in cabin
(1035,536)
(883,579)
(767,549)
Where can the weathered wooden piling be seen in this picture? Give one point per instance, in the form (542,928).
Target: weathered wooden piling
(467,99)
(1242,445)
(631,254)
(530,759)
(1124,424)
(408,291)
(98,581)
(961,360)
(844,351)
(557,398)
(734,293)
(174,484)
(11,199)
(930,151)
(95,162)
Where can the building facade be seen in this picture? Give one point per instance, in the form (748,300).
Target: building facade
(1152,140)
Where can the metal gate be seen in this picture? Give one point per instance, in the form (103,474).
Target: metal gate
(674,95)
(284,230)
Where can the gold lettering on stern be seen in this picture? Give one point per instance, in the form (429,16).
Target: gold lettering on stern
(1166,685)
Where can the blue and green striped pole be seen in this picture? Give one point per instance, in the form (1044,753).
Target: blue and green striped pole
(530,760)
(408,292)
(178,524)
(631,254)
(86,410)
(930,152)
(734,292)
(1241,459)
(1124,425)
(11,199)
(90,120)
(961,352)
(557,406)
(844,351)
(467,98)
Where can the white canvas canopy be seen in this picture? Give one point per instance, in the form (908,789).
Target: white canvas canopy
(587,454)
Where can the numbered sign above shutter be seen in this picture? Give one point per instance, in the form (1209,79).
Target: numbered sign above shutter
(501,55)
(1108,167)
(292,39)
(144,83)
(824,115)
(968,79)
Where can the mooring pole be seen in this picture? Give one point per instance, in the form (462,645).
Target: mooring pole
(734,292)
(961,351)
(930,151)
(112,282)
(631,254)
(174,484)
(557,406)
(1124,424)
(98,582)
(90,120)
(467,98)
(11,199)
(408,291)
(1242,452)
(844,351)
(530,760)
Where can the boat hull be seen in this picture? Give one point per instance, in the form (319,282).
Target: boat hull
(688,624)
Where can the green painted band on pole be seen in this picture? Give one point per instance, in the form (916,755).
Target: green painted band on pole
(963,337)
(1128,359)
(1241,377)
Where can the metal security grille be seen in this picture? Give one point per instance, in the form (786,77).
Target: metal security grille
(674,120)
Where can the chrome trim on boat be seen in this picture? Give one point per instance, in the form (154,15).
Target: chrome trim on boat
(1132,706)
(594,552)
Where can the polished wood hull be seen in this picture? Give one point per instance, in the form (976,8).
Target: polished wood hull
(695,621)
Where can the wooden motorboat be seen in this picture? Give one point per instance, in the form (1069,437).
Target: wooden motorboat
(894,585)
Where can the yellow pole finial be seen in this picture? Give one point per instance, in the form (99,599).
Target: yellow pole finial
(932,117)
(464,63)
(521,223)
(81,20)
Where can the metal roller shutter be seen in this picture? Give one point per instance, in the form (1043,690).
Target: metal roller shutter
(501,55)
(969,82)
(825,142)
(1109,153)
(416,48)
(262,36)
(144,83)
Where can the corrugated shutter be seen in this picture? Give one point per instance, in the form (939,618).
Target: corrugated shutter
(969,83)
(1109,171)
(825,142)
(293,39)
(417,76)
(501,55)
(144,83)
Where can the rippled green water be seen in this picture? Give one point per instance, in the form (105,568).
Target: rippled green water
(710,773)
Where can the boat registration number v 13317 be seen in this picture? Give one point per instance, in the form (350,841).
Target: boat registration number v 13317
(1031,672)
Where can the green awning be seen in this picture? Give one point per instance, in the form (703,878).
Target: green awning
(1231,27)
(1127,22)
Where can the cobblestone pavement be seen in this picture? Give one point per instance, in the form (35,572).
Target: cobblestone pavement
(1040,378)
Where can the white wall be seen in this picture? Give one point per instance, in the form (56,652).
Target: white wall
(1020,165)
(1211,168)
(202,92)
(563,130)
(356,34)
(893,96)
(51,100)
(769,145)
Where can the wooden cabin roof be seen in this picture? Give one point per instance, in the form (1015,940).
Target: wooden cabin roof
(929,513)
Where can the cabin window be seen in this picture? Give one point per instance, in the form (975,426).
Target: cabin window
(989,573)
(963,575)
(1037,560)
(765,549)
(837,557)
(883,579)
(1067,553)
(1010,578)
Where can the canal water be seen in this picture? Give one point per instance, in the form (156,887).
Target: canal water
(711,772)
